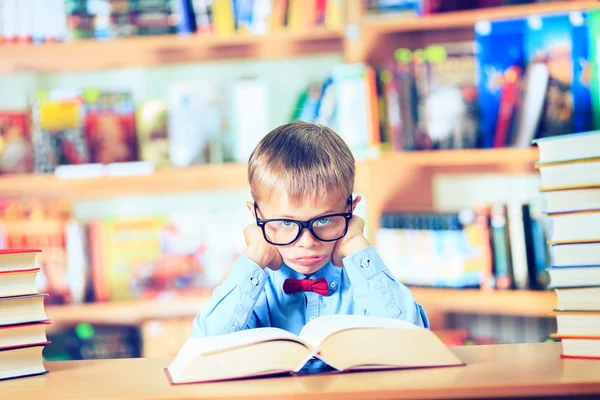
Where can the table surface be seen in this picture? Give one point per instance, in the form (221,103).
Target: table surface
(491,371)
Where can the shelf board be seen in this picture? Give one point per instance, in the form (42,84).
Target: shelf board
(162,181)
(472,301)
(234,175)
(127,313)
(502,157)
(466,19)
(148,51)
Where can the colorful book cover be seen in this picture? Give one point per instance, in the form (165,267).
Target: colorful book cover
(593,18)
(499,49)
(16,150)
(110,126)
(58,135)
(156,256)
(447,96)
(435,249)
(560,43)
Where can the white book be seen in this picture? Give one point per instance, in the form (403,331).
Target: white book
(561,277)
(516,233)
(569,147)
(573,199)
(352,121)
(578,299)
(577,227)
(576,254)
(575,174)
(250,117)
(345,342)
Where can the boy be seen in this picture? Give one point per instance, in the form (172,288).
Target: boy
(306,255)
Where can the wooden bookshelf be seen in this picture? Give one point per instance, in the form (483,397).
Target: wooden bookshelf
(151,51)
(525,303)
(504,158)
(234,175)
(162,181)
(435,301)
(383,34)
(466,19)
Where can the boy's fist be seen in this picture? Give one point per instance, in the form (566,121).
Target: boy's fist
(354,241)
(259,250)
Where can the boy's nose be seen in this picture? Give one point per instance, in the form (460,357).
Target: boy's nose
(306,239)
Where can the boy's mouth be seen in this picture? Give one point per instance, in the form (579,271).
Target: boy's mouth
(308,261)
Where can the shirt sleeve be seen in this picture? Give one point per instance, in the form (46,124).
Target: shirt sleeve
(376,290)
(231,306)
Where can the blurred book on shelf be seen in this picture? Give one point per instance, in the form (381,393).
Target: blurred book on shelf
(170,255)
(48,21)
(16,151)
(523,78)
(431,97)
(470,248)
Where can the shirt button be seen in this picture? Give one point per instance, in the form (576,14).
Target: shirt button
(254,281)
(364,263)
(333,284)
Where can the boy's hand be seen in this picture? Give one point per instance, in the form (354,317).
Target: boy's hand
(351,243)
(258,250)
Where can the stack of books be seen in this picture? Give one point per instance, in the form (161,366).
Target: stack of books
(569,167)
(23,320)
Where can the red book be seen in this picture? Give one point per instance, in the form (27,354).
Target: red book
(508,103)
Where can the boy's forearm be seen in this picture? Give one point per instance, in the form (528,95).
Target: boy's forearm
(232,303)
(376,290)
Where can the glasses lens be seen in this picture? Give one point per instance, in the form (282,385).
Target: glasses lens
(281,231)
(329,228)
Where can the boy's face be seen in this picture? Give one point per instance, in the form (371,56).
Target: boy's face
(307,254)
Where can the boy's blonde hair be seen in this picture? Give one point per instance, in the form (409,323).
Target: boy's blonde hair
(303,160)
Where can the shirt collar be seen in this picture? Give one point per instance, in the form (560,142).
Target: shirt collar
(329,271)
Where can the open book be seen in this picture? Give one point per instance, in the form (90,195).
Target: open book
(345,342)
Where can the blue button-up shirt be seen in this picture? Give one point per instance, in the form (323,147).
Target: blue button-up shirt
(251,297)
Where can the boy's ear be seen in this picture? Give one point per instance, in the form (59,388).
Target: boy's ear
(356,201)
(250,206)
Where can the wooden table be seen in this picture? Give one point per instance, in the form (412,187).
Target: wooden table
(524,370)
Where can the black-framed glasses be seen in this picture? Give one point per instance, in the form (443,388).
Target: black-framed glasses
(284,231)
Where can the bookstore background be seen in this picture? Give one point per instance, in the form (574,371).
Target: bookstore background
(125,126)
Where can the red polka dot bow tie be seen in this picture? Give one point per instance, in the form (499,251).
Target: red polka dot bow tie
(306,285)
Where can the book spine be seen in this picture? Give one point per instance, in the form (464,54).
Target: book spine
(374,137)
(334,14)
(529,246)
(485,244)
(501,248)
(223,17)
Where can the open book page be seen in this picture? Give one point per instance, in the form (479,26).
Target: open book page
(319,329)
(202,346)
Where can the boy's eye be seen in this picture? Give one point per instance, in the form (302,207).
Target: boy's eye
(286,224)
(323,221)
